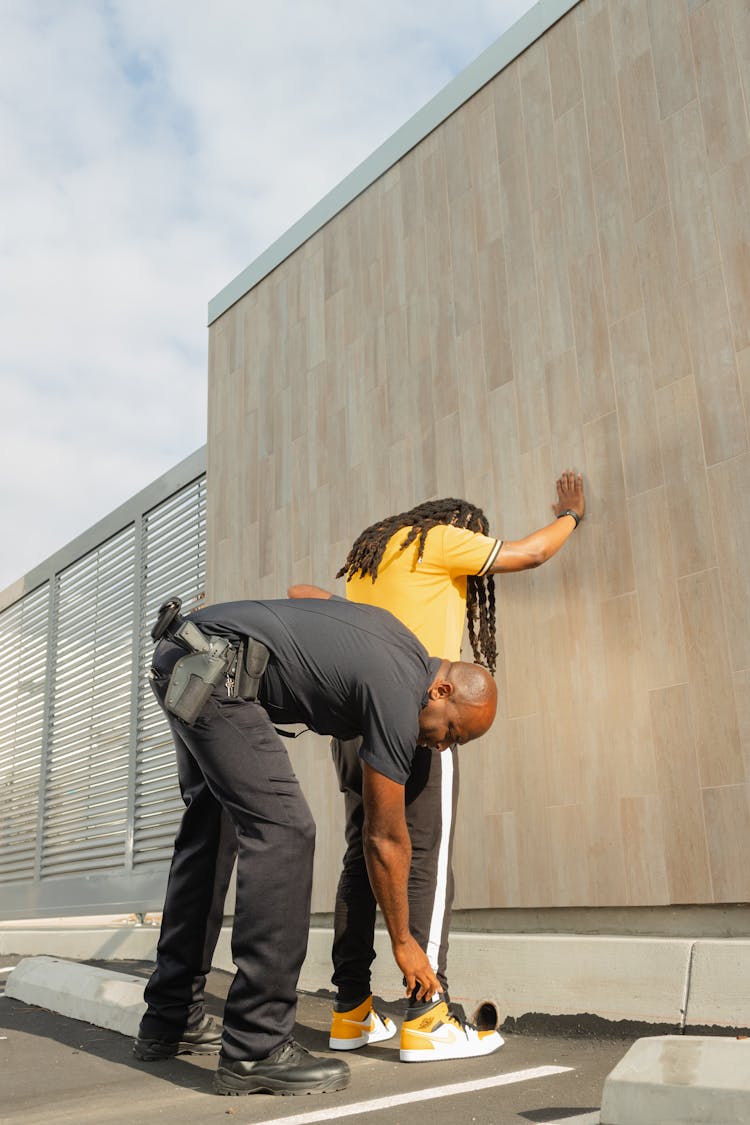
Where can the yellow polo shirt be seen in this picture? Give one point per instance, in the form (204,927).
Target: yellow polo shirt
(428,594)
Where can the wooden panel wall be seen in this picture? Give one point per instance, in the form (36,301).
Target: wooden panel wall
(558,276)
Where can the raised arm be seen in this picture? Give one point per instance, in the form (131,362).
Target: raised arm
(388,856)
(536,548)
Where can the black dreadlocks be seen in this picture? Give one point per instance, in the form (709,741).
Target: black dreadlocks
(367,551)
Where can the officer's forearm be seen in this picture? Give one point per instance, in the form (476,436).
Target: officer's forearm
(388,861)
(388,856)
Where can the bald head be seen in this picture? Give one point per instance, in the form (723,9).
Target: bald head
(473,686)
(461,706)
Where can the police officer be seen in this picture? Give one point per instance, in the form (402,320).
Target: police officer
(343,669)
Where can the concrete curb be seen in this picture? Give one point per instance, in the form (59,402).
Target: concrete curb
(635,979)
(674,982)
(97,996)
(719,993)
(96,943)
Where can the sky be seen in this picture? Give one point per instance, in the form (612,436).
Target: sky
(151,150)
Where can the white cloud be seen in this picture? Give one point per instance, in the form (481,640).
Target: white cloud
(150,153)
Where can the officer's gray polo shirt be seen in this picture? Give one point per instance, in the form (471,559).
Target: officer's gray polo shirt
(341,668)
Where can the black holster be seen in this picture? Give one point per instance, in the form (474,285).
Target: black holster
(209,660)
(193,679)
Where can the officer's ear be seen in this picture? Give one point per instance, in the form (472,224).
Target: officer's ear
(440,689)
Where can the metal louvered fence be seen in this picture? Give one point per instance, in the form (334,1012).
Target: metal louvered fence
(89,801)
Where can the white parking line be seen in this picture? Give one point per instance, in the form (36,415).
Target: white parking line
(7,968)
(587,1119)
(417,1096)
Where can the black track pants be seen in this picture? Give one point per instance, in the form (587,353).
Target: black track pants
(431,800)
(240,792)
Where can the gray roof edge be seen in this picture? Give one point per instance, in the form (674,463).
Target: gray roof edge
(181,474)
(503,51)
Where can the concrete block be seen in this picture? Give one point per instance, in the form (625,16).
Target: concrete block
(680,1080)
(96,996)
(719,993)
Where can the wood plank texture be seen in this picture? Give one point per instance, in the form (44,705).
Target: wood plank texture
(557,277)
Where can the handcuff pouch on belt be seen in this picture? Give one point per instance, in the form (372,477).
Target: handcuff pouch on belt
(252,658)
(210,660)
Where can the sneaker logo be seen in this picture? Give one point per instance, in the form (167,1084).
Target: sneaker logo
(444,1035)
(363,1025)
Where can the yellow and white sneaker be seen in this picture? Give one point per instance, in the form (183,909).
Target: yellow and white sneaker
(358,1027)
(437,1034)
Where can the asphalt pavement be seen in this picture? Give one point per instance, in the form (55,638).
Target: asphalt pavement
(59,1071)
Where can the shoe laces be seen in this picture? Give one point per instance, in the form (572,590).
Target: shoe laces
(457,1016)
(457,1013)
(291,1050)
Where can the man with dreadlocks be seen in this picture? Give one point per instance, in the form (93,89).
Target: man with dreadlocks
(432,568)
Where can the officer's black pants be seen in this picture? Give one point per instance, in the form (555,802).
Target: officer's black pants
(431,796)
(240,792)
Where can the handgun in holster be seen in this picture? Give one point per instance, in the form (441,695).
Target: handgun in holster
(209,660)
